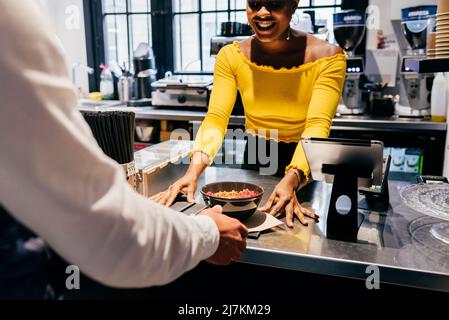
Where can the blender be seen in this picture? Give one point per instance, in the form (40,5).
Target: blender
(414,88)
(349,29)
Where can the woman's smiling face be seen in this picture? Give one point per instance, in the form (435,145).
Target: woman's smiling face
(270,19)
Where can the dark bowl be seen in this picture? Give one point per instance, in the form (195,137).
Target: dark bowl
(240,209)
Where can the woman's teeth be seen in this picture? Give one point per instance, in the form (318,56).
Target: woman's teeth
(265,25)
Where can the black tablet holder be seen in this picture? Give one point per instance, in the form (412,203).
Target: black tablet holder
(343,219)
(378,201)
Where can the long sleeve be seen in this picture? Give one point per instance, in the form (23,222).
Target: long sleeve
(323,104)
(210,135)
(55,179)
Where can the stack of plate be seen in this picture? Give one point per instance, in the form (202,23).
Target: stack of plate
(431,45)
(442,36)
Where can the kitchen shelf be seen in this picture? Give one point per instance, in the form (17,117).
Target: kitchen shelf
(428,65)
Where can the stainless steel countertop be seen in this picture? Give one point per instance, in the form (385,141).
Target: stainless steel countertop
(383,241)
(351,123)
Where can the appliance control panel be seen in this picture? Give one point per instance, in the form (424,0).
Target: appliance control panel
(354,66)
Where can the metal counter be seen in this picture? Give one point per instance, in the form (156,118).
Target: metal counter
(383,240)
(351,123)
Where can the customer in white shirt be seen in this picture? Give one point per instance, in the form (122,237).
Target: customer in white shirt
(56,180)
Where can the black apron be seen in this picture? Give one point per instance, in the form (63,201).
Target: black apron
(255,157)
(24,264)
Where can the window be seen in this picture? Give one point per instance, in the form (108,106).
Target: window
(196,21)
(321,11)
(184,28)
(127,23)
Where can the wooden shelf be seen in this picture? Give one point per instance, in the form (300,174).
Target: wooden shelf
(428,65)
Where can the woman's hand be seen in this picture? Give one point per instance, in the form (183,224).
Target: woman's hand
(186,185)
(284,197)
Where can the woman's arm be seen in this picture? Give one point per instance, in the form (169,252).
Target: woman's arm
(210,135)
(325,96)
(323,105)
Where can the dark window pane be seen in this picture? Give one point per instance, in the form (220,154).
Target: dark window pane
(186,29)
(116,39)
(212,5)
(185,5)
(323,2)
(139,5)
(114,6)
(140,29)
(238,4)
(239,16)
(211,27)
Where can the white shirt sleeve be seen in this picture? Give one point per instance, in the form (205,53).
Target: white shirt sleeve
(56,180)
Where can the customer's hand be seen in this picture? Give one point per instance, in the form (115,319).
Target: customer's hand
(284,197)
(186,185)
(232,237)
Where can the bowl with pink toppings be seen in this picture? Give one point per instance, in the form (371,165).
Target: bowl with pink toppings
(238,199)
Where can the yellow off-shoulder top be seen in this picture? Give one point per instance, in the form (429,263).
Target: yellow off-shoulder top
(297,102)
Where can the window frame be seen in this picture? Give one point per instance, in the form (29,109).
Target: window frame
(229,12)
(163,39)
(200,14)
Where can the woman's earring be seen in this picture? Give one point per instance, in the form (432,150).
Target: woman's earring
(288,34)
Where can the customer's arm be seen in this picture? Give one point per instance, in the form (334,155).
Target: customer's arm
(55,179)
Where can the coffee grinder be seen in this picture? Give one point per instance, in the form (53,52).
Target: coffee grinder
(414,88)
(144,74)
(349,29)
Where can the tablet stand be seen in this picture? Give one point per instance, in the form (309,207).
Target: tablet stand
(343,219)
(378,201)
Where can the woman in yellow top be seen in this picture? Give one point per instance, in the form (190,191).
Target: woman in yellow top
(289,81)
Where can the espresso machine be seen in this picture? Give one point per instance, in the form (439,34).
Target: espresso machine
(349,29)
(414,88)
(230,32)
